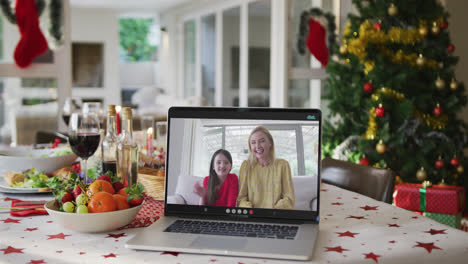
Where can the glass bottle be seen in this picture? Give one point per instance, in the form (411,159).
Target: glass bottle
(127,151)
(109,143)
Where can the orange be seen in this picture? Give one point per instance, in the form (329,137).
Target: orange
(122,192)
(100,186)
(102,202)
(121,201)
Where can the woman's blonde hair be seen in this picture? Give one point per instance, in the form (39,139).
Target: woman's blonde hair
(252,159)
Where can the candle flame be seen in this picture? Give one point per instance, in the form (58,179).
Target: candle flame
(150,130)
(117,108)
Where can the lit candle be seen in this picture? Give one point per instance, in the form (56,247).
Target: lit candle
(149,141)
(117,118)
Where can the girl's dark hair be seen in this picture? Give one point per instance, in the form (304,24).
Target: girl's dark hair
(213,180)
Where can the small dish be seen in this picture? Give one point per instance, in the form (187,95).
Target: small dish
(92,222)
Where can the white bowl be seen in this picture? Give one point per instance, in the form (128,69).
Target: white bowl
(20,159)
(92,222)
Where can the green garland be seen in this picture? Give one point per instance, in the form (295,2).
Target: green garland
(303,29)
(55,14)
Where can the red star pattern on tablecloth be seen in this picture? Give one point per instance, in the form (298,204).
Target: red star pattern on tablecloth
(170,253)
(213,260)
(436,232)
(10,250)
(324,190)
(392,241)
(367,207)
(373,256)
(338,249)
(82,253)
(59,251)
(7,199)
(337,203)
(356,217)
(415,217)
(428,246)
(10,220)
(111,255)
(393,225)
(36,261)
(346,234)
(116,235)
(31,229)
(58,236)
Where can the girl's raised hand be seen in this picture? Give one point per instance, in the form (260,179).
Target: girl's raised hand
(199,190)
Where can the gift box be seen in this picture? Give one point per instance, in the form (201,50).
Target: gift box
(447,219)
(442,199)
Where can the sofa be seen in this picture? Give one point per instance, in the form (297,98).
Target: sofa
(305,188)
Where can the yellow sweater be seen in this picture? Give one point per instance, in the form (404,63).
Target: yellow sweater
(266,187)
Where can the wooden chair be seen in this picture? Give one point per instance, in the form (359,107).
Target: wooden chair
(369,181)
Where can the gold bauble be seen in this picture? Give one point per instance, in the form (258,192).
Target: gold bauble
(460,169)
(375,97)
(380,147)
(442,182)
(453,85)
(420,60)
(392,10)
(343,49)
(435,29)
(426,184)
(439,83)
(421,174)
(422,31)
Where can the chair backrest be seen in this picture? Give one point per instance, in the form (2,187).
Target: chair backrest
(369,181)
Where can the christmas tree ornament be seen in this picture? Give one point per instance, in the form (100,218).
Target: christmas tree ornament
(316,41)
(378,26)
(453,85)
(435,29)
(426,184)
(439,164)
(380,147)
(422,30)
(343,49)
(454,162)
(375,97)
(364,161)
(392,10)
(421,174)
(420,61)
(439,83)
(442,182)
(368,87)
(444,24)
(380,111)
(437,110)
(460,169)
(451,47)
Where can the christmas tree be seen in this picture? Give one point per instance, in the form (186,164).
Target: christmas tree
(393,94)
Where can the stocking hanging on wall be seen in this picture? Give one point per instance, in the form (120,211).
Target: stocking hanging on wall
(316,41)
(32,42)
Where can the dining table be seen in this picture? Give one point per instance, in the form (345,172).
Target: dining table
(353,228)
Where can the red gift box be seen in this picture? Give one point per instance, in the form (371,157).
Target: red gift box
(440,199)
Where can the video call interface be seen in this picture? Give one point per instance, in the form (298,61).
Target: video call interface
(268,164)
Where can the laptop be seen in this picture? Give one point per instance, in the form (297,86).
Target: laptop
(263,205)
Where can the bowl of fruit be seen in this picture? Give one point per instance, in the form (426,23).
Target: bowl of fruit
(95,207)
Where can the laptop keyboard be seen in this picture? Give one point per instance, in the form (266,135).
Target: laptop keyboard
(233,229)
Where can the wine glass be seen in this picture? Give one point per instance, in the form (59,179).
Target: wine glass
(70,105)
(84,136)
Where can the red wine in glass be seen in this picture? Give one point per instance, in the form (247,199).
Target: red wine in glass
(84,144)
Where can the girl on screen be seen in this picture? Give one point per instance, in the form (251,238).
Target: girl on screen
(220,188)
(264,180)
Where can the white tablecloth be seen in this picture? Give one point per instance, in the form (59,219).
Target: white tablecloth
(353,229)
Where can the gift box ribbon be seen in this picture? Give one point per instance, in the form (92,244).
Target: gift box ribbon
(422,199)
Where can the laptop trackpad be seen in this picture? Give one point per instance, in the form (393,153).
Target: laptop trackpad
(219,243)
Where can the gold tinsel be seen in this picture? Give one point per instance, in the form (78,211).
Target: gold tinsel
(391,93)
(371,132)
(435,122)
(367,34)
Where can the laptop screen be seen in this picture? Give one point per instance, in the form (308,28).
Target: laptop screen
(243,162)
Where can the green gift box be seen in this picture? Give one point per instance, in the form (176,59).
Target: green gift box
(447,219)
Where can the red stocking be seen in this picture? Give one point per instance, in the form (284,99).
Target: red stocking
(316,42)
(32,42)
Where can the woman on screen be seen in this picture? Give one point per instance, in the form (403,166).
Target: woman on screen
(265,181)
(220,188)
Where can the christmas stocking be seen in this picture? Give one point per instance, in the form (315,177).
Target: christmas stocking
(316,42)
(32,42)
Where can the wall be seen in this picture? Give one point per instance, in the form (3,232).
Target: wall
(99,26)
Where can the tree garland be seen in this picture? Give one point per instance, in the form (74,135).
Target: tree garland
(303,29)
(55,15)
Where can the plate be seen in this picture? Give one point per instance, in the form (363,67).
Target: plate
(5,188)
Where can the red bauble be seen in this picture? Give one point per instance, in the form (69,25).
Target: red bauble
(444,24)
(439,164)
(454,161)
(451,47)
(437,111)
(364,161)
(380,111)
(368,87)
(378,26)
